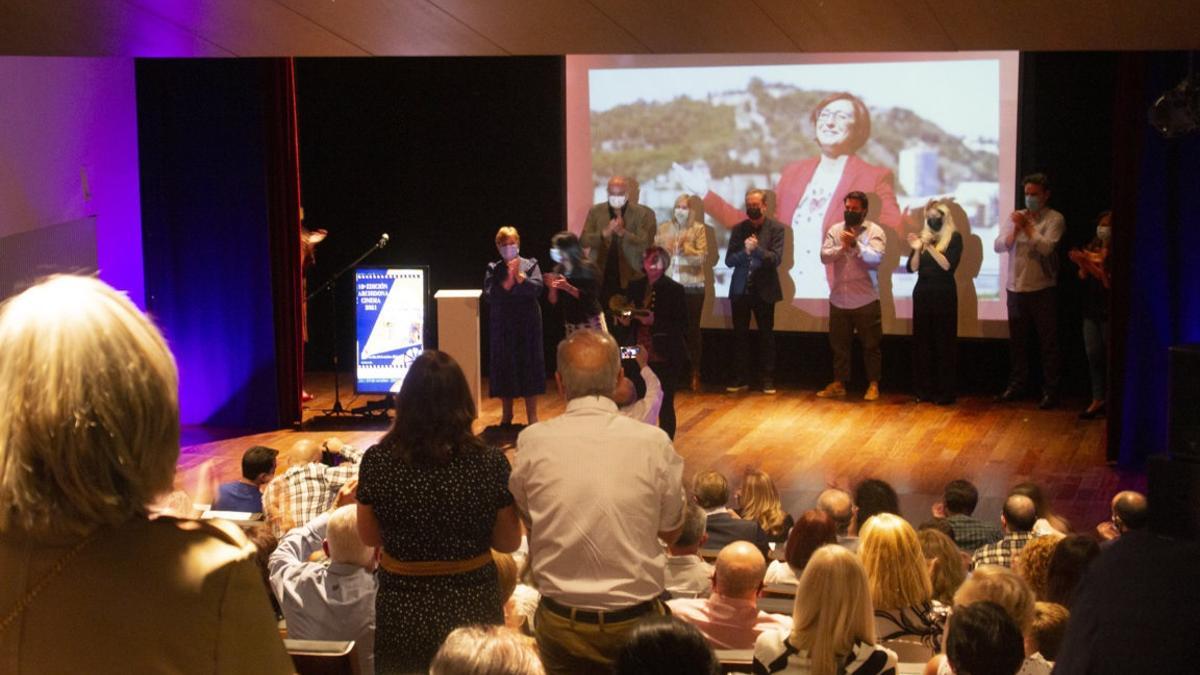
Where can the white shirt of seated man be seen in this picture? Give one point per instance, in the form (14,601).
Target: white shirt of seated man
(646,408)
(334,601)
(596,490)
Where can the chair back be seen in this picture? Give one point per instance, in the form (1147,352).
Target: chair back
(323,657)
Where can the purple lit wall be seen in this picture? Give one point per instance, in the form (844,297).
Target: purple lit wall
(68,151)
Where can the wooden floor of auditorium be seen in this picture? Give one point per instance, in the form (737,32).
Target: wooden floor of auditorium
(807,443)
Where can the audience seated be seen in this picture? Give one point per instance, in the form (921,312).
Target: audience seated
(1070,561)
(874,496)
(1002,586)
(982,640)
(334,601)
(520,599)
(840,507)
(814,530)
(711,492)
(1049,626)
(1135,611)
(959,499)
(833,623)
(1017,521)
(245,494)
(1047,521)
(1130,511)
(486,650)
(898,576)
(666,646)
(758,500)
(947,567)
(308,488)
(729,618)
(687,575)
(1033,562)
(89,438)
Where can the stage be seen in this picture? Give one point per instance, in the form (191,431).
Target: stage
(807,443)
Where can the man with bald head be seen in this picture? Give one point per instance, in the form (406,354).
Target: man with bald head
(840,508)
(308,488)
(597,491)
(729,618)
(1017,521)
(1130,511)
(616,234)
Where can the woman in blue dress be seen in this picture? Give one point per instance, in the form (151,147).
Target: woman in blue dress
(517,363)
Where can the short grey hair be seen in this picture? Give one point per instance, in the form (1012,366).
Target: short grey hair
(486,650)
(694,524)
(588,363)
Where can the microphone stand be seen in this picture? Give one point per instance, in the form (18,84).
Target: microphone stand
(331,285)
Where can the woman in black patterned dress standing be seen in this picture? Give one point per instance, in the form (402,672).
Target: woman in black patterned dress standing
(436,499)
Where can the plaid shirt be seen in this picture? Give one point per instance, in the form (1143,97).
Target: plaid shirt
(972,533)
(1002,552)
(306,491)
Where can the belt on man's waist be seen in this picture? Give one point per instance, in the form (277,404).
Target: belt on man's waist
(599,616)
(431,568)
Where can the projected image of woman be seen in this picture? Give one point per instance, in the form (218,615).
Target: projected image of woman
(810,189)
(516,363)
(934,258)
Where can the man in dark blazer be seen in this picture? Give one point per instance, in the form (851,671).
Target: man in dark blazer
(711,492)
(755,249)
(661,330)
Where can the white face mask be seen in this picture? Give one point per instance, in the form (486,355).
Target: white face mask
(616,201)
(1103,232)
(509,251)
(681,216)
(556,255)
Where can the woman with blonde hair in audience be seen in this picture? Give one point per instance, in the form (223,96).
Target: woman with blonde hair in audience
(1003,587)
(89,437)
(486,650)
(1032,562)
(946,566)
(436,499)
(760,502)
(833,625)
(900,587)
(814,530)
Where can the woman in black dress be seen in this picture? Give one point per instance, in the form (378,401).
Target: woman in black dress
(574,285)
(935,255)
(1093,270)
(436,499)
(516,366)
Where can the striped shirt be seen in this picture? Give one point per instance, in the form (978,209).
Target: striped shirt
(774,654)
(305,491)
(1002,552)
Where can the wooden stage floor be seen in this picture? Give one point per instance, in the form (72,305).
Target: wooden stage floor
(807,443)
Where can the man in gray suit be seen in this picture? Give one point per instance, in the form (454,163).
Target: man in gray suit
(616,234)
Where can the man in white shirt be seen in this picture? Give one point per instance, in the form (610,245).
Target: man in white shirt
(688,576)
(853,250)
(644,409)
(1030,238)
(597,491)
(729,618)
(334,601)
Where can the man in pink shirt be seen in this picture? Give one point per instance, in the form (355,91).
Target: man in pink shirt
(729,618)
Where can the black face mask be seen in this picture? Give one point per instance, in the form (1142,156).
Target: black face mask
(754,212)
(935,224)
(853,218)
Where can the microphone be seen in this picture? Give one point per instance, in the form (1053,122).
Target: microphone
(383,240)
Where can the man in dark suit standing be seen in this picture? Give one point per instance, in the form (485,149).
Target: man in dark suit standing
(755,249)
(711,492)
(660,328)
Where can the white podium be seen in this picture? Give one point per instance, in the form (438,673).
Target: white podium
(458,333)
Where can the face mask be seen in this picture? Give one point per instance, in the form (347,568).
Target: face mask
(853,218)
(754,212)
(556,255)
(1032,203)
(1103,232)
(681,216)
(509,252)
(934,224)
(616,201)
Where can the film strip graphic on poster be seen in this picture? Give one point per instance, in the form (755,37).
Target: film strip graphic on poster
(389,307)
